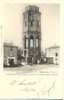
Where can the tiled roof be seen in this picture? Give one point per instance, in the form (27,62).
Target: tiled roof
(53,47)
(9,44)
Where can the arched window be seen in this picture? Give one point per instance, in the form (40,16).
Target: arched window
(31,42)
(26,43)
(36,42)
(32,22)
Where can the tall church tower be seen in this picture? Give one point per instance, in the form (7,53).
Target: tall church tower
(32,34)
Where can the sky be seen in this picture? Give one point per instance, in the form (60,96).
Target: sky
(11,20)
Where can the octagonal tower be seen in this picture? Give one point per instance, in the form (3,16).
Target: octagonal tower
(32,34)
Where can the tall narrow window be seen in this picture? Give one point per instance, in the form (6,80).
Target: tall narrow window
(26,43)
(56,54)
(37,23)
(25,53)
(31,42)
(25,23)
(32,22)
(11,48)
(36,42)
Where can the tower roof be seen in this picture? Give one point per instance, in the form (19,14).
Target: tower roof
(32,8)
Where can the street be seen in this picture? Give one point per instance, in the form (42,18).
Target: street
(32,70)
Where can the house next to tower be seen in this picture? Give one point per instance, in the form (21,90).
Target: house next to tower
(32,34)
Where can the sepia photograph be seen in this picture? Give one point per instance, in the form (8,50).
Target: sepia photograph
(31,35)
(30,49)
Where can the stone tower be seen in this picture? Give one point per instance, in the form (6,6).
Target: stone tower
(32,34)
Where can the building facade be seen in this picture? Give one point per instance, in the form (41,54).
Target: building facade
(10,54)
(53,55)
(32,34)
